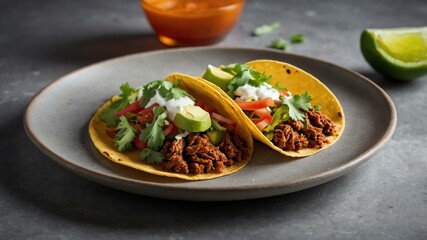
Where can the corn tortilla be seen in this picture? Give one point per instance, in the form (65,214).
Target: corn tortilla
(297,81)
(201,92)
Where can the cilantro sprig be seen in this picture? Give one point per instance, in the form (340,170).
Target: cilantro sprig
(297,105)
(266,29)
(125,135)
(153,134)
(151,156)
(243,75)
(129,95)
(292,108)
(280,44)
(297,38)
(109,116)
(166,89)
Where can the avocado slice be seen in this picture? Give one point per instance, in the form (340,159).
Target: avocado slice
(218,77)
(215,136)
(193,119)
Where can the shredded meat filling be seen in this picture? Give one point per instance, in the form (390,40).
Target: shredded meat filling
(195,154)
(293,136)
(173,152)
(234,147)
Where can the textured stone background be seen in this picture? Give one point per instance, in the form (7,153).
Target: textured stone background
(385,198)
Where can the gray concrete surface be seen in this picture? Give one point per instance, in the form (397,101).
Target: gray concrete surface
(385,198)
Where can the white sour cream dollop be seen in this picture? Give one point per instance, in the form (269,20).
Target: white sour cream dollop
(173,106)
(248,92)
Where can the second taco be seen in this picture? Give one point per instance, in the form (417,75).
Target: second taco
(285,107)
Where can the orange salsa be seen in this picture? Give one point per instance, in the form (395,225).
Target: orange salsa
(192,22)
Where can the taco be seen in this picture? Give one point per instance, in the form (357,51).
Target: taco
(285,107)
(172,128)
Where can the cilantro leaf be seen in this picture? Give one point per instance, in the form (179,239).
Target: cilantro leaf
(151,156)
(149,91)
(124,97)
(297,38)
(128,96)
(166,89)
(125,135)
(279,86)
(266,28)
(153,134)
(280,44)
(297,104)
(244,75)
(240,79)
(135,95)
(109,116)
(259,78)
(176,93)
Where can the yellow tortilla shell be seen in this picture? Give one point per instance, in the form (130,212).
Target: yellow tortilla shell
(105,144)
(297,81)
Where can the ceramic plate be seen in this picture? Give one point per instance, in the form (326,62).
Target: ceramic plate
(56,120)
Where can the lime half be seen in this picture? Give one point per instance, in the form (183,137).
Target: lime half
(398,53)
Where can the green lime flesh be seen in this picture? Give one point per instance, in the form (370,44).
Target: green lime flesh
(399,53)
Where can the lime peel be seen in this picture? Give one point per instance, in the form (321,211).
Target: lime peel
(399,53)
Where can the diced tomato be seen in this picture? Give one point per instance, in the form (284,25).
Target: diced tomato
(139,144)
(231,127)
(256,120)
(111,132)
(148,109)
(254,105)
(138,127)
(221,118)
(210,109)
(205,107)
(170,129)
(285,94)
(200,104)
(264,114)
(146,115)
(261,125)
(132,108)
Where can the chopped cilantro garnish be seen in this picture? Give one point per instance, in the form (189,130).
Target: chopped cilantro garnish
(125,135)
(284,45)
(297,38)
(153,134)
(149,91)
(151,156)
(244,75)
(166,89)
(317,107)
(291,109)
(266,28)
(125,98)
(297,104)
(176,93)
(109,116)
(240,79)
(279,86)
(128,96)
(281,44)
